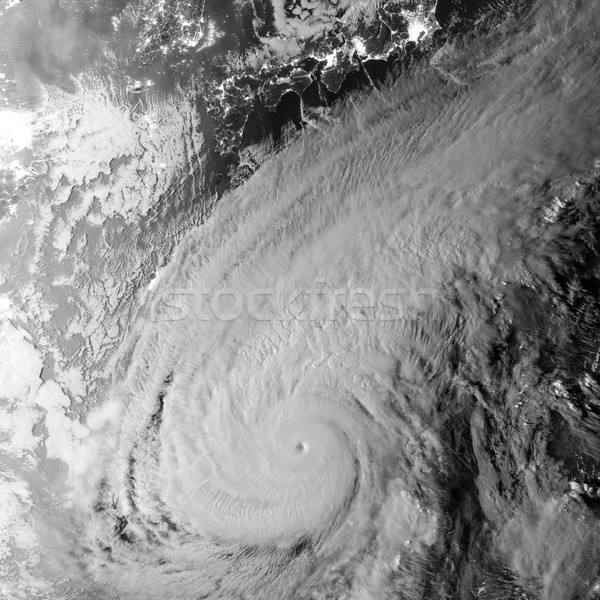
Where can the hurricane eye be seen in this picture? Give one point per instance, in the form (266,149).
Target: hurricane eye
(302,448)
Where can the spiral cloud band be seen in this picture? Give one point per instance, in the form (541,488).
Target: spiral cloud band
(325,457)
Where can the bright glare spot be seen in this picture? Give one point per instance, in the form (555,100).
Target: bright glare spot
(15,129)
(415,30)
(359,46)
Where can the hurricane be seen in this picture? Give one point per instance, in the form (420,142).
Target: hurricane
(372,372)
